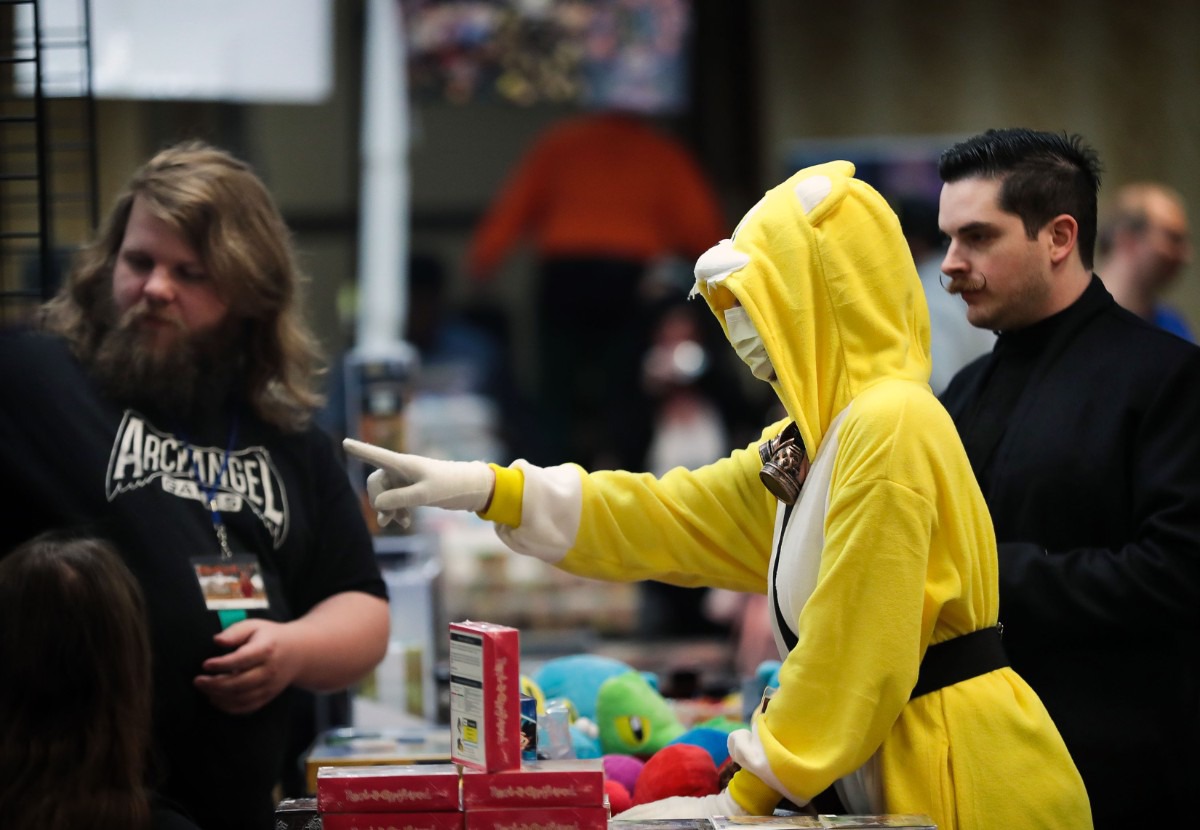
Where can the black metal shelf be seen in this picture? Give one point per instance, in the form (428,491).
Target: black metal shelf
(48,174)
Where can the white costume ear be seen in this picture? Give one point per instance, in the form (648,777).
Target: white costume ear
(812,191)
(722,259)
(821,191)
(718,262)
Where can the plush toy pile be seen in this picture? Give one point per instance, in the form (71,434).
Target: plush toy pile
(620,716)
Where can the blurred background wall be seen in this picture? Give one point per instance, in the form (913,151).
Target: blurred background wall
(764,74)
(770,85)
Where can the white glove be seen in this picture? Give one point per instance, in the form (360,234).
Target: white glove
(405,481)
(682,806)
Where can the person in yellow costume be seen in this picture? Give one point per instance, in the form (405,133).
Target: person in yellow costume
(877,571)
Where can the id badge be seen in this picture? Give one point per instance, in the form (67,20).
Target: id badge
(231,583)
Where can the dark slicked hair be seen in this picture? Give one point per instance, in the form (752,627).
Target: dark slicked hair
(1042,175)
(75,702)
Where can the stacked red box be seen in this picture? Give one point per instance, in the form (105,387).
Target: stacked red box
(559,783)
(485,714)
(541,795)
(400,797)
(392,821)
(548,818)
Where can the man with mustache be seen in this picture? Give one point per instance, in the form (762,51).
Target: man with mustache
(1081,427)
(166,406)
(1144,248)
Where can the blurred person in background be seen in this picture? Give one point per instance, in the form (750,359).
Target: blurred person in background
(466,401)
(1143,247)
(696,407)
(601,197)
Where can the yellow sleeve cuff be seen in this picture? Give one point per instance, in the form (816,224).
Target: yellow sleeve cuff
(507,495)
(751,794)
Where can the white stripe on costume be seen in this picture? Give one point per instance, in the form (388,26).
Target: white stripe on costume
(800,563)
(803,538)
(551,508)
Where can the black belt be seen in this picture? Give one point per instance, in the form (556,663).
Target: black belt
(960,658)
(946,663)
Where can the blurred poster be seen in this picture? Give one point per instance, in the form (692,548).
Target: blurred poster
(629,54)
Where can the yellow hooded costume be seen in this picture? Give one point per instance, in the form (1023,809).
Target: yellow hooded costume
(889,548)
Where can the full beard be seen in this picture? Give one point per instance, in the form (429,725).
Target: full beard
(191,376)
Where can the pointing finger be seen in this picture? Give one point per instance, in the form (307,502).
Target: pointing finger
(369,452)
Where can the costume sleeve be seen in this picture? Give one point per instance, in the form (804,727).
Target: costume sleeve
(863,630)
(1151,584)
(711,526)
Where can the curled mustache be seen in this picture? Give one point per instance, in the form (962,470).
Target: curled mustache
(957,285)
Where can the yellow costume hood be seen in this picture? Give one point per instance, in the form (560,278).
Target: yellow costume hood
(838,304)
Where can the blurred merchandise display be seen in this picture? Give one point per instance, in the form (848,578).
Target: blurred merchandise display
(482,579)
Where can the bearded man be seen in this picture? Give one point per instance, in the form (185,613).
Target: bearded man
(165,404)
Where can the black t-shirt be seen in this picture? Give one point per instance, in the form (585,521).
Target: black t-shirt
(74,459)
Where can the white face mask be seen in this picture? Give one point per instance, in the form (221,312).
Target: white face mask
(748,345)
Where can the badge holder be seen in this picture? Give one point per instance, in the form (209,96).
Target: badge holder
(231,584)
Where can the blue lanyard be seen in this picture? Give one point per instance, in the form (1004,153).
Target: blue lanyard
(210,492)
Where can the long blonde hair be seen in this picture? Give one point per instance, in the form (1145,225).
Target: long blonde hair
(224,211)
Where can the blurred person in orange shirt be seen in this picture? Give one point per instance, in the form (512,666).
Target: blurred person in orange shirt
(600,197)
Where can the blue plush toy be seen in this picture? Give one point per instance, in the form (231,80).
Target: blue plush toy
(620,710)
(711,736)
(577,678)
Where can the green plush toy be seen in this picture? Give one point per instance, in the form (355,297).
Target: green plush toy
(633,718)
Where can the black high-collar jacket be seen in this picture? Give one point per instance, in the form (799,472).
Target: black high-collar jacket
(1084,433)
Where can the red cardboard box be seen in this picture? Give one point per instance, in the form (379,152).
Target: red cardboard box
(485,696)
(528,818)
(559,783)
(408,788)
(392,821)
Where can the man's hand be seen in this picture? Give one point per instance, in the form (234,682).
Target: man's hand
(721,804)
(404,481)
(262,663)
